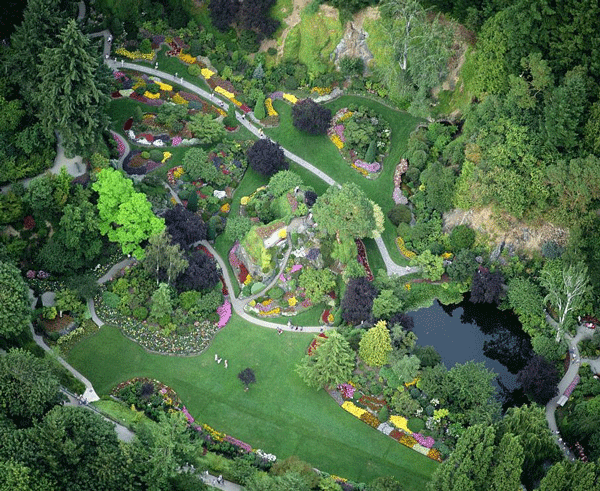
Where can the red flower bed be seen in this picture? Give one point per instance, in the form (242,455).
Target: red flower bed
(396,434)
(231,128)
(147,136)
(243,274)
(324,316)
(205,250)
(245,108)
(128,124)
(315,342)
(362,258)
(372,402)
(116,94)
(224,290)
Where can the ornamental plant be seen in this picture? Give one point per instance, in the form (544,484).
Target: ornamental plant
(376,345)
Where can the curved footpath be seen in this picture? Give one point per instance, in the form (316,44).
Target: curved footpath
(575,361)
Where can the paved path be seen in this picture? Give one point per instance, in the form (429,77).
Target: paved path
(575,361)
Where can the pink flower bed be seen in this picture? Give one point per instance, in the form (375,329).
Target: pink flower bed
(188,416)
(426,441)
(372,167)
(120,145)
(176,141)
(238,443)
(339,131)
(571,386)
(296,267)
(347,390)
(233,259)
(224,312)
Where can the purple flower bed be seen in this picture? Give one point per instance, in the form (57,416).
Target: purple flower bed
(296,267)
(176,141)
(224,312)
(339,131)
(238,443)
(158,39)
(189,417)
(347,390)
(276,95)
(426,441)
(372,167)
(151,165)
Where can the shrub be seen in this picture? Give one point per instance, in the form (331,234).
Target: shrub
(399,214)
(156,155)
(259,108)
(146,46)
(272,52)
(153,88)
(551,250)
(415,393)
(145,155)
(384,414)
(462,237)
(429,410)
(291,83)
(275,293)
(189,299)
(140,90)
(140,313)
(257,287)
(112,300)
(415,425)
(194,70)
(310,117)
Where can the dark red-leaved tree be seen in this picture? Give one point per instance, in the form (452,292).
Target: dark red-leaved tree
(357,303)
(487,286)
(266,157)
(311,117)
(406,321)
(539,379)
(184,226)
(201,273)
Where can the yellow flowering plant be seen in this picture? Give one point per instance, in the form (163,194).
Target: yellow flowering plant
(166,156)
(292,301)
(222,91)
(400,422)
(269,105)
(290,98)
(206,73)
(177,99)
(150,95)
(189,59)
(352,409)
(337,141)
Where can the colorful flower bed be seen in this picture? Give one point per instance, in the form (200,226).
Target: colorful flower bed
(397,194)
(224,312)
(370,419)
(347,390)
(354,410)
(314,343)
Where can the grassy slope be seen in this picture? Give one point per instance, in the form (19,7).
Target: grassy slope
(279,413)
(322,153)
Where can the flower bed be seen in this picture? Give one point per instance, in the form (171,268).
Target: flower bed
(224,312)
(354,410)
(347,390)
(402,248)
(571,387)
(314,343)
(373,403)
(362,258)
(370,419)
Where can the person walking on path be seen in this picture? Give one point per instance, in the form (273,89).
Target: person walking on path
(225,363)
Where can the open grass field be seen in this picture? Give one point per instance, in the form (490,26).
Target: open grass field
(319,151)
(278,414)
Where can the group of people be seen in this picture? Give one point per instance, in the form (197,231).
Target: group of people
(219,360)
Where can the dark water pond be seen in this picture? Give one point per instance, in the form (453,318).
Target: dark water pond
(467,331)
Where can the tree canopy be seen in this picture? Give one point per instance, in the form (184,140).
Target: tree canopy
(266,157)
(310,117)
(15,310)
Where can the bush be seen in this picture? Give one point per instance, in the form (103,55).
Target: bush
(551,250)
(461,237)
(140,313)
(429,410)
(310,117)
(415,393)
(259,108)
(146,46)
(153,88)
(194,70)
(112,300)
(156,155)
(399,214)
(291,83)
(145,154)
(384,414)
(257,287)
(415,425)
(275,293)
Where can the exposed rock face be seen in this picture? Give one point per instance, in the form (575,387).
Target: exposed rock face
(353,45)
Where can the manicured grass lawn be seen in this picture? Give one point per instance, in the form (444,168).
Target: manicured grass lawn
(319,151)
(279,413)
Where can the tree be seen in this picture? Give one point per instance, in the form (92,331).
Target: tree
(386,304)
(346,212)
(163,259)
(28,389)
(486,286)
(428,355)
(574,476)
(201,273)
(526,299)
(331,362)
(125,216)
(266,157)
(439,186)
(68,300)
(284,181)
(540,380)
(403,341)
(358,300)
(310,117)
(384,483)
(237,227)
(259,107)
(316,282)
(247,377)
(15,310)
(463,265)
(197,164)
(208,130)
(406,368)
(186,228)
(223,13)
(567,287)
(376,345)
(431,266)
(68,97)
(461,237)
(161,302)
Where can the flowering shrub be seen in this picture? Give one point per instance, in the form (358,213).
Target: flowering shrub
(321,90)
(30,274)
(295,267)
(150,95)
(42,275)
(225,208)
(135,55)
(336,141)
(426,441)
(238,443)
(347,390)
(166,156)
(189,59)
(206,73)
(226,93)
(292,301)
(224,312)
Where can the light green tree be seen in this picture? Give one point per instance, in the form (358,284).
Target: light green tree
(67,300)
(386,304)
(69,98)
(376,345)
(284,181)
(162,257)
(125,215)
(432,266)
(406,368)
(161,302)
(208,130)
(15,310)
(331,363)
(316,282)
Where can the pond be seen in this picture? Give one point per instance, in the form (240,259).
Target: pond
(480,332)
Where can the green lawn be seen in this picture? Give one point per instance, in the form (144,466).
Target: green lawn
(320,152)
(279,413)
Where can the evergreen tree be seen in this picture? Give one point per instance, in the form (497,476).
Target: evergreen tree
(68,96)
(331,363)
(161,302)
(14,302)
(376,345)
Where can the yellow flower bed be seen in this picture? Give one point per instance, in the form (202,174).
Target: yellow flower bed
(164,86)
(330,318)
(337,141)
(244,200)
(400,423)
(189,59)
(166,156)
(403,249)
(177,99)
(266,302)
(412,382)
(364,172)
(345,116)
(178,172)
(135,55)
(269,105)
(274,311)
(221,112)
(292,301)
(282,233)
(321,90)
(150,95)
(216,435)
(290,98)
(222,91)
(338,478)
(236,102)
(352,409)
(248,280)
(446,255)
(206,73)
(225,208)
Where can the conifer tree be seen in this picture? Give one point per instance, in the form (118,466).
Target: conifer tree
(376,345)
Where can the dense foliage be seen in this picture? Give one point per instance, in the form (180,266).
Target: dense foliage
(266,157)
(311,117)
